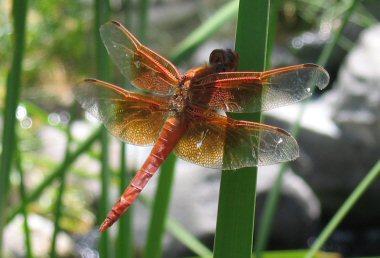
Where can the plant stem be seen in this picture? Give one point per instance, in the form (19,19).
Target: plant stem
(160,209)
(364,185)
(124,243)
(61,190)
(102,9)
(13,87)
(28,245)
(327,50)
(235,222)
(187,46)
(143,20)
(55,174)
(271,204)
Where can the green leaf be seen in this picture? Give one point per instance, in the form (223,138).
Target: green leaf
(102,11)
(160,209)
(235,222)
(363,186)
(205,31)
(271,204)
(13,87)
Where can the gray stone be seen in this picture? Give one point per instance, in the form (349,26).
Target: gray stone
(41,231)
(195,199)
(340,133)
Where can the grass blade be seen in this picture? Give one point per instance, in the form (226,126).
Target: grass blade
(364,185)
(273,198)
(56,173)
(28,245)
(160,209)
(61,190)
(102,9)
(327,50)
(143,20)
(153,245)
(204,32)
(13,87)
(187,238)
(268,213)
(124,243)
(235,222)
(124,240)
(181,234)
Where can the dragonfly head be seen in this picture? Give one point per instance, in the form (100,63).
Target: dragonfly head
(224,60)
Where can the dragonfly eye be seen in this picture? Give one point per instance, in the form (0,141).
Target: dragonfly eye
(224,60)
(217,57)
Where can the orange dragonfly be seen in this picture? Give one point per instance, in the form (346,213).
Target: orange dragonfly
(176,112)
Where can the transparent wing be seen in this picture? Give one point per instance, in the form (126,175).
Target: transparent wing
(144,68)
(254,91)
(129,116)
(215,141)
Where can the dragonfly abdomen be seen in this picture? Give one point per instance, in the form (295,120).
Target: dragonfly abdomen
(170,134)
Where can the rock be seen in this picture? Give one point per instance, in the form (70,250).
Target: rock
(195,200)
(340,134)
(41,231)
(356,111)
(298,211)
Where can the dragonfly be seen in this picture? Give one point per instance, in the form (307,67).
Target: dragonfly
(183,113)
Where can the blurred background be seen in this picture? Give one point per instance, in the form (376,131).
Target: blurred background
(55,180)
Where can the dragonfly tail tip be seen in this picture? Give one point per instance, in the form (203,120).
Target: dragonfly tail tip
(105,225)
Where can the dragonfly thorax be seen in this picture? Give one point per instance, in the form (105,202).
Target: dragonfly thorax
(179,99)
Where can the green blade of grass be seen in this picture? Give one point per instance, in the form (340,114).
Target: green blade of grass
(56,173)
(39,114)
(160,209)
(273,198)
(153,245)
(128,13)
(364,185)
(102,9)
(61,190)
(204,32)
(143,20)
(292,254)
(104,250)
(124,240)
(297,254)
(58,212)
(327,50)
(28,245)
(124,243)
(181,234)
(191,242)
(13,87)
(235,221)
(270,207)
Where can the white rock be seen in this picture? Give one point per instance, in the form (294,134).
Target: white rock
(41,231)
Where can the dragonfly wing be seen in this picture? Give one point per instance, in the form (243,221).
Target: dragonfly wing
(255,91)
(129,116)
(220,142)
(143,67)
